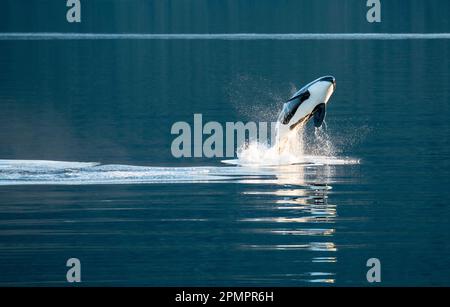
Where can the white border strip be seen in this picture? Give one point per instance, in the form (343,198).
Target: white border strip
(231,36)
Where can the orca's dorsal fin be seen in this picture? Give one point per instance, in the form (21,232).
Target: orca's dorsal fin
(319,114)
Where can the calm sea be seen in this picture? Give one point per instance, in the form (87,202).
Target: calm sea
(142,217)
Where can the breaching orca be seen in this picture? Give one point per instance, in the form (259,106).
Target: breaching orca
(308,102)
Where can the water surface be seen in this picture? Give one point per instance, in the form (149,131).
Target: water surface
(135,215)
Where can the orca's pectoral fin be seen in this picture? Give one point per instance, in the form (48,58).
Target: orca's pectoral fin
(319,115)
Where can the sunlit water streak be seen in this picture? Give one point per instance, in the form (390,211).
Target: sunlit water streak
(223,36)
(29,172)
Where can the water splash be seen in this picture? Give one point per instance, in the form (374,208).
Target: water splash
(320,143)
(298,147)
(246,94)
(283,152)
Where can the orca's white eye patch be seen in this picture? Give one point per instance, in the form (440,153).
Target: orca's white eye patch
(291,106)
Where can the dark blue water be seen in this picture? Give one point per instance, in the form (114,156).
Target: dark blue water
(114,102)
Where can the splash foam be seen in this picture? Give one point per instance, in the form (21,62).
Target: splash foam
(296,148)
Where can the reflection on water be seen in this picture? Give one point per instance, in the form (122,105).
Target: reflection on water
(302,212)
(243,226)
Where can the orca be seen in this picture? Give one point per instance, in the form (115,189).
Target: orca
(309,102)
